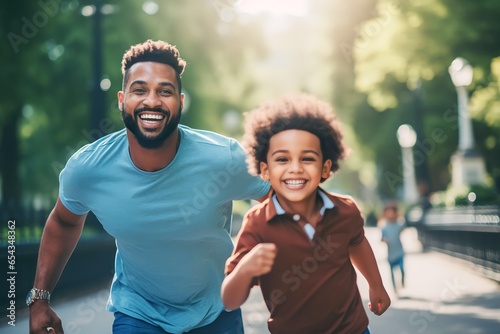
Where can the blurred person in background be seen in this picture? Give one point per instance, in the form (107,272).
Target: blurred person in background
(392,224)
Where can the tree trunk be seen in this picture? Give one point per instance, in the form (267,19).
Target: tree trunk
(10,161)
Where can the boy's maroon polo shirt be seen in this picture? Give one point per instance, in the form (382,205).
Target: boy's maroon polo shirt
(312,286)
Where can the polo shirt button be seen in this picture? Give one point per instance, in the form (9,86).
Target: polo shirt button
(296,217)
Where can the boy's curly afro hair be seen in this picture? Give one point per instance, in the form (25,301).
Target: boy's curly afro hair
(297,112)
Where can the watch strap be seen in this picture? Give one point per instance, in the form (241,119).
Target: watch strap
(37,294)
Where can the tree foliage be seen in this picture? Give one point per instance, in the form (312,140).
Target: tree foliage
(410,45)
(45,111)
(381,63)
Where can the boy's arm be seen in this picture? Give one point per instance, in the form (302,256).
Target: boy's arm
(236,286)
(362,257)
(383,237)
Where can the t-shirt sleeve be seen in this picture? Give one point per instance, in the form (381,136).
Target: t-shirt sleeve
(247,186)
(71,180)
(245,242)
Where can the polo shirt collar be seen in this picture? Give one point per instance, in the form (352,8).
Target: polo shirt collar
(327,204)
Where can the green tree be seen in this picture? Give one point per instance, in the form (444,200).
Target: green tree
(410,44)
(22,23)
(45,110)
(485,106)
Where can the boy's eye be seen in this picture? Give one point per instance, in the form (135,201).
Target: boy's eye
(281,159)
(308,159)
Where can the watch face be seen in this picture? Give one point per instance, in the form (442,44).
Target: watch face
(29,297)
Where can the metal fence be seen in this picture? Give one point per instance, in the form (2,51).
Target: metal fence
(91,263)
(471,233)
(30,220)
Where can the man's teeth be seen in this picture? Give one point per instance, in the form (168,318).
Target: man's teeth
(153,117)
(295,182)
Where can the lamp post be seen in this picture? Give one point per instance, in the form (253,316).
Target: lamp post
(461,75)
(97,97)
(99,84)
(468,166)
(407,138)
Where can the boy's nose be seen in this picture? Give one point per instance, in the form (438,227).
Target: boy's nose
(296,167)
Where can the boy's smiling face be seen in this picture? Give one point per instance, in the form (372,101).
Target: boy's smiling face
(295,166)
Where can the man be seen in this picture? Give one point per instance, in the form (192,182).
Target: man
(164,192)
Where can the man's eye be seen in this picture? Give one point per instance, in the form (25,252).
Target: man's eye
(139,90)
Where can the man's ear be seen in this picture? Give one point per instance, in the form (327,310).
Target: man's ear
(182,96)
(120,100)
(264,171)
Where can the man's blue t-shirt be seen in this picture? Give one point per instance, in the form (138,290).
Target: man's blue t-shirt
(172,226)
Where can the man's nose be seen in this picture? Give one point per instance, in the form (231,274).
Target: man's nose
(152,100)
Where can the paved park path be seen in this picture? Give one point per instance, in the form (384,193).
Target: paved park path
(442,296)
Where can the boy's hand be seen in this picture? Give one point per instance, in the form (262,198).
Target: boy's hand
(379,301)
(259,260)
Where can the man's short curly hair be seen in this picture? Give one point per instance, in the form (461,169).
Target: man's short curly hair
(292,112)
(155,51)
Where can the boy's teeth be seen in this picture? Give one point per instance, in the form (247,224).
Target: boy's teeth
(295,182)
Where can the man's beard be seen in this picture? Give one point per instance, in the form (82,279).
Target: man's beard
(151,142)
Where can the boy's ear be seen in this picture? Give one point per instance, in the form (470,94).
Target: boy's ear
(326,171)
(264,171)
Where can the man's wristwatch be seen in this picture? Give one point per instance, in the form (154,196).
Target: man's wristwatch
(36,294)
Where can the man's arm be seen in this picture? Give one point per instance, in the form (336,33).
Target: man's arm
(236,286)
(60,236)
(263,198)
(362,257)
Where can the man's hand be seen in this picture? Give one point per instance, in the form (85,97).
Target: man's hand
(259,260)
(43,319)
(379,301)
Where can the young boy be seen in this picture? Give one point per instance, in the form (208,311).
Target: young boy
(300,244)
(391,235)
